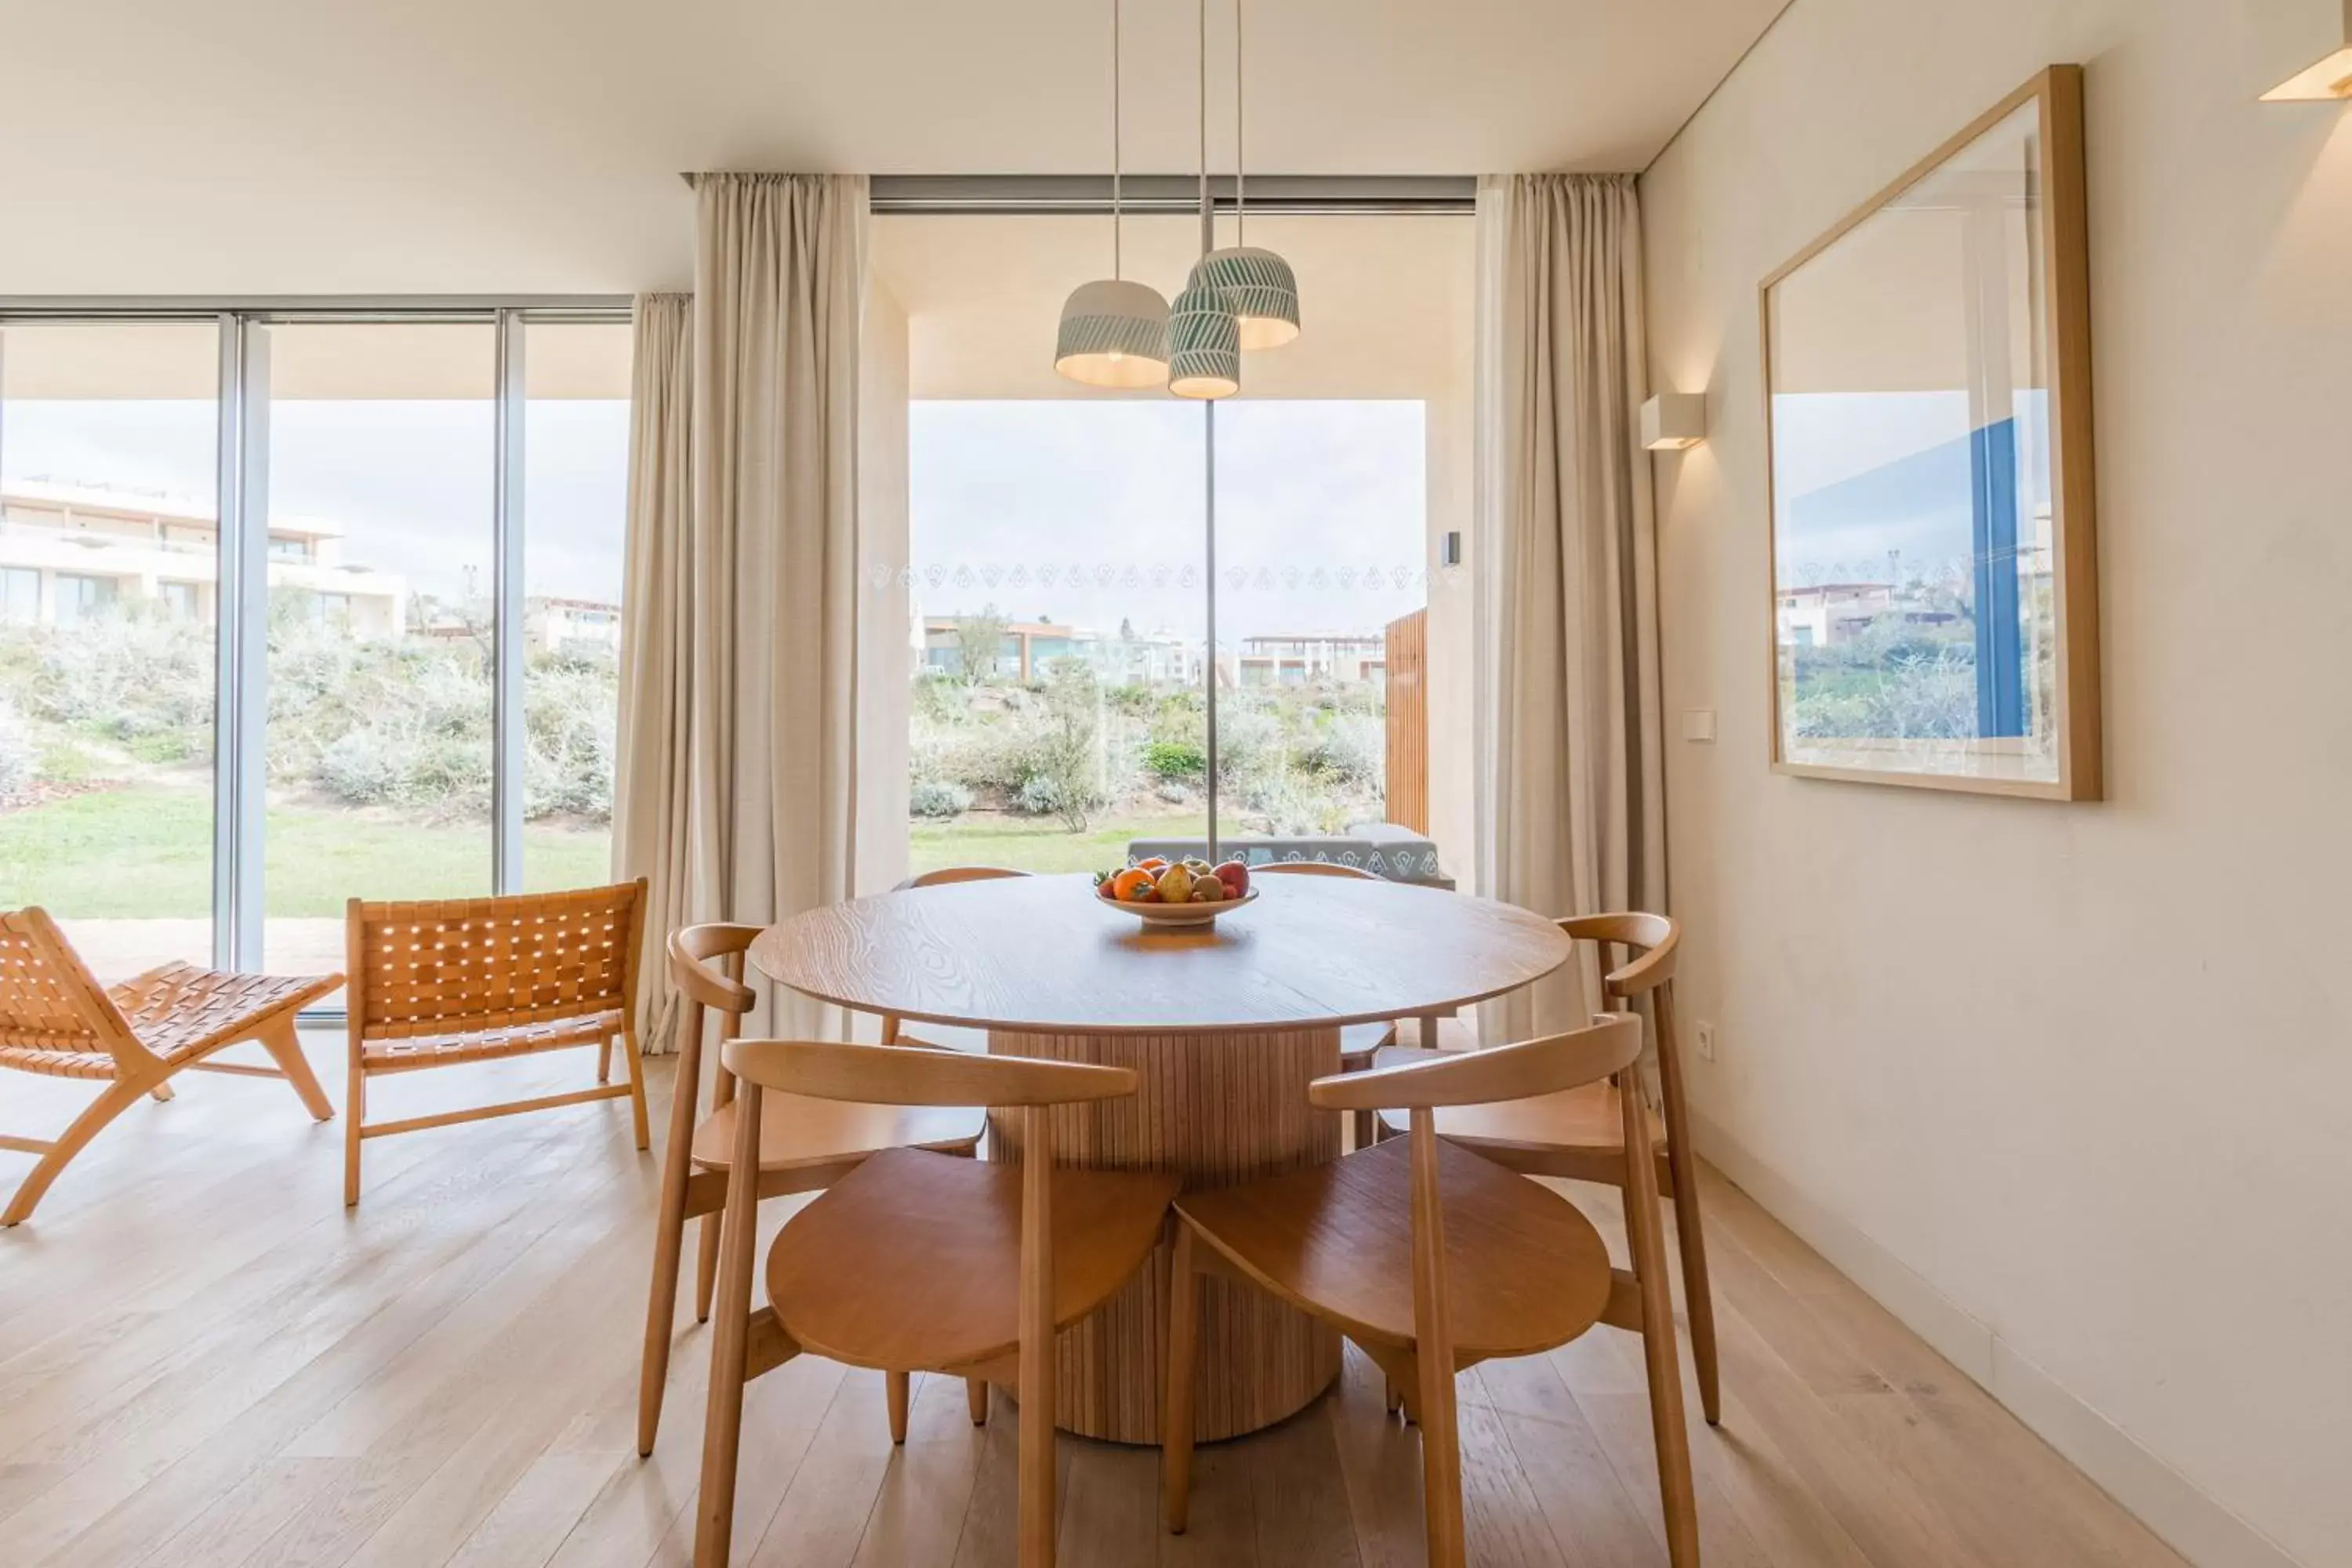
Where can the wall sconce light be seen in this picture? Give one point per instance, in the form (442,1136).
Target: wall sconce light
(1673,420)
(2330,80)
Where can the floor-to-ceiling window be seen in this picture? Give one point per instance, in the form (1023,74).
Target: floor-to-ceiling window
(1059,563)
(363,567)
(109,565)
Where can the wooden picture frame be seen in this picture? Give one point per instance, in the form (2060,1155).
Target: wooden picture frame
(1927,385)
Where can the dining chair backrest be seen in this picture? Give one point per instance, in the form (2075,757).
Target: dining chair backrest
(706,964)
(943,875)
(1547,1065)
(920,1075)
(49,1001)
(1650,939)
(1313,869)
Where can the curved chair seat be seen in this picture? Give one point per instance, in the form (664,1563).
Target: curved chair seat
(914,1258)
(799,1133)
(1588,1117)
(1525,1269)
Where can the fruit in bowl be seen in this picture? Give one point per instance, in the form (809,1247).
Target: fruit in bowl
(1190,881)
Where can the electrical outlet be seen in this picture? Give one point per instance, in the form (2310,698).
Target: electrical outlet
(1706,1042)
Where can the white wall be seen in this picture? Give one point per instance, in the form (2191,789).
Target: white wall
(2069,1087)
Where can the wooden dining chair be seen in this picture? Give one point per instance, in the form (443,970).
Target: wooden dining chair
(57,1021)
(917,1261)
(1433,1259)
(1577,1134)
(805,1145)
(946,1037)
(1362,1047)
(438,983)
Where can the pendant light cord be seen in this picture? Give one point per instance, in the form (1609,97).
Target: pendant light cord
(1208,213)
(1241,199)
(1115,255)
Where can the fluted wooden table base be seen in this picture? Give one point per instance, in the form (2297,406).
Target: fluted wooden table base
(1216,1110)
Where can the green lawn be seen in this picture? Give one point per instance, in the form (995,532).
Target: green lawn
(1038,844)
(146,852)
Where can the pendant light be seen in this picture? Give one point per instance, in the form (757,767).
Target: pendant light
(1114,332)
(1204,344)
(1258,284)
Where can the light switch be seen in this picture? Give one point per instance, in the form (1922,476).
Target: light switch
(1698,724)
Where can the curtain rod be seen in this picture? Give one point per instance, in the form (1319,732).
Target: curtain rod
(1048,194)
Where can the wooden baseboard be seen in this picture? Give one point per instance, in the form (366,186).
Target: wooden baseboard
(2189,1519)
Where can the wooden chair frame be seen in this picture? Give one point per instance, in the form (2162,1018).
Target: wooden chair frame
(1652,944)
(56,1020)
(749,1343)
(1428,1363)
(706,964)
(476,986)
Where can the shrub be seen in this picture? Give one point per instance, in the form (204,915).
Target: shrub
(938,797)
(1351,750)
(1176,760)
(17,758)
(1038,795)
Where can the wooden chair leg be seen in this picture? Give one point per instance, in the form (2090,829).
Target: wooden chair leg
(661,1306)
(1678,1501)
(1432,1354)
(1176,1405)
(354,1119)
(1698,1299)
(605,1061)
(729,1344)
(162,1092)
(894,1395)
(119,1097)
(285,1048)
(706,1263)
(634,1061)
(975,1399)
(1364,1127)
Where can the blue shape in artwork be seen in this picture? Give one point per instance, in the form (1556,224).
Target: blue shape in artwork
(1999,627)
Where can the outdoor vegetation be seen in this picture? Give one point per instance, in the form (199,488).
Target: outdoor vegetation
(1000,768)
(379,756)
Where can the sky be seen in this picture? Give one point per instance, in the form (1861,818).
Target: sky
(1086,512)
(1089,513)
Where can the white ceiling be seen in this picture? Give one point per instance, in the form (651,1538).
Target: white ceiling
(297,146)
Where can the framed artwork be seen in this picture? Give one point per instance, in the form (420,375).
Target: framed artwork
(1927,376)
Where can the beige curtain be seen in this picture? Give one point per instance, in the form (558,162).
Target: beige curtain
(774,684)
(649,801)
(1572,821)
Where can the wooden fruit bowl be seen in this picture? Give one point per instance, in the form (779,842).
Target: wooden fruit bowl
(1177,914)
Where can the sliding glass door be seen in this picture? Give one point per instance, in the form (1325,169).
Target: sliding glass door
(109,608)
(364,571)
(382,623)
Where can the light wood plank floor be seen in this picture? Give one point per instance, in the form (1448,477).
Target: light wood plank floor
(204,1362)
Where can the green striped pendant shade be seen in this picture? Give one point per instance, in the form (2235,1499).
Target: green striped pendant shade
(1114,333)
(1204,344)
(1261,289)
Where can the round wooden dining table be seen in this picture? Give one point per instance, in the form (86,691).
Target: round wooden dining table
(1225,1026)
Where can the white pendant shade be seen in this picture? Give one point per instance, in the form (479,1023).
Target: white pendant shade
(1204,349)
(1260,287)
(1114,333)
